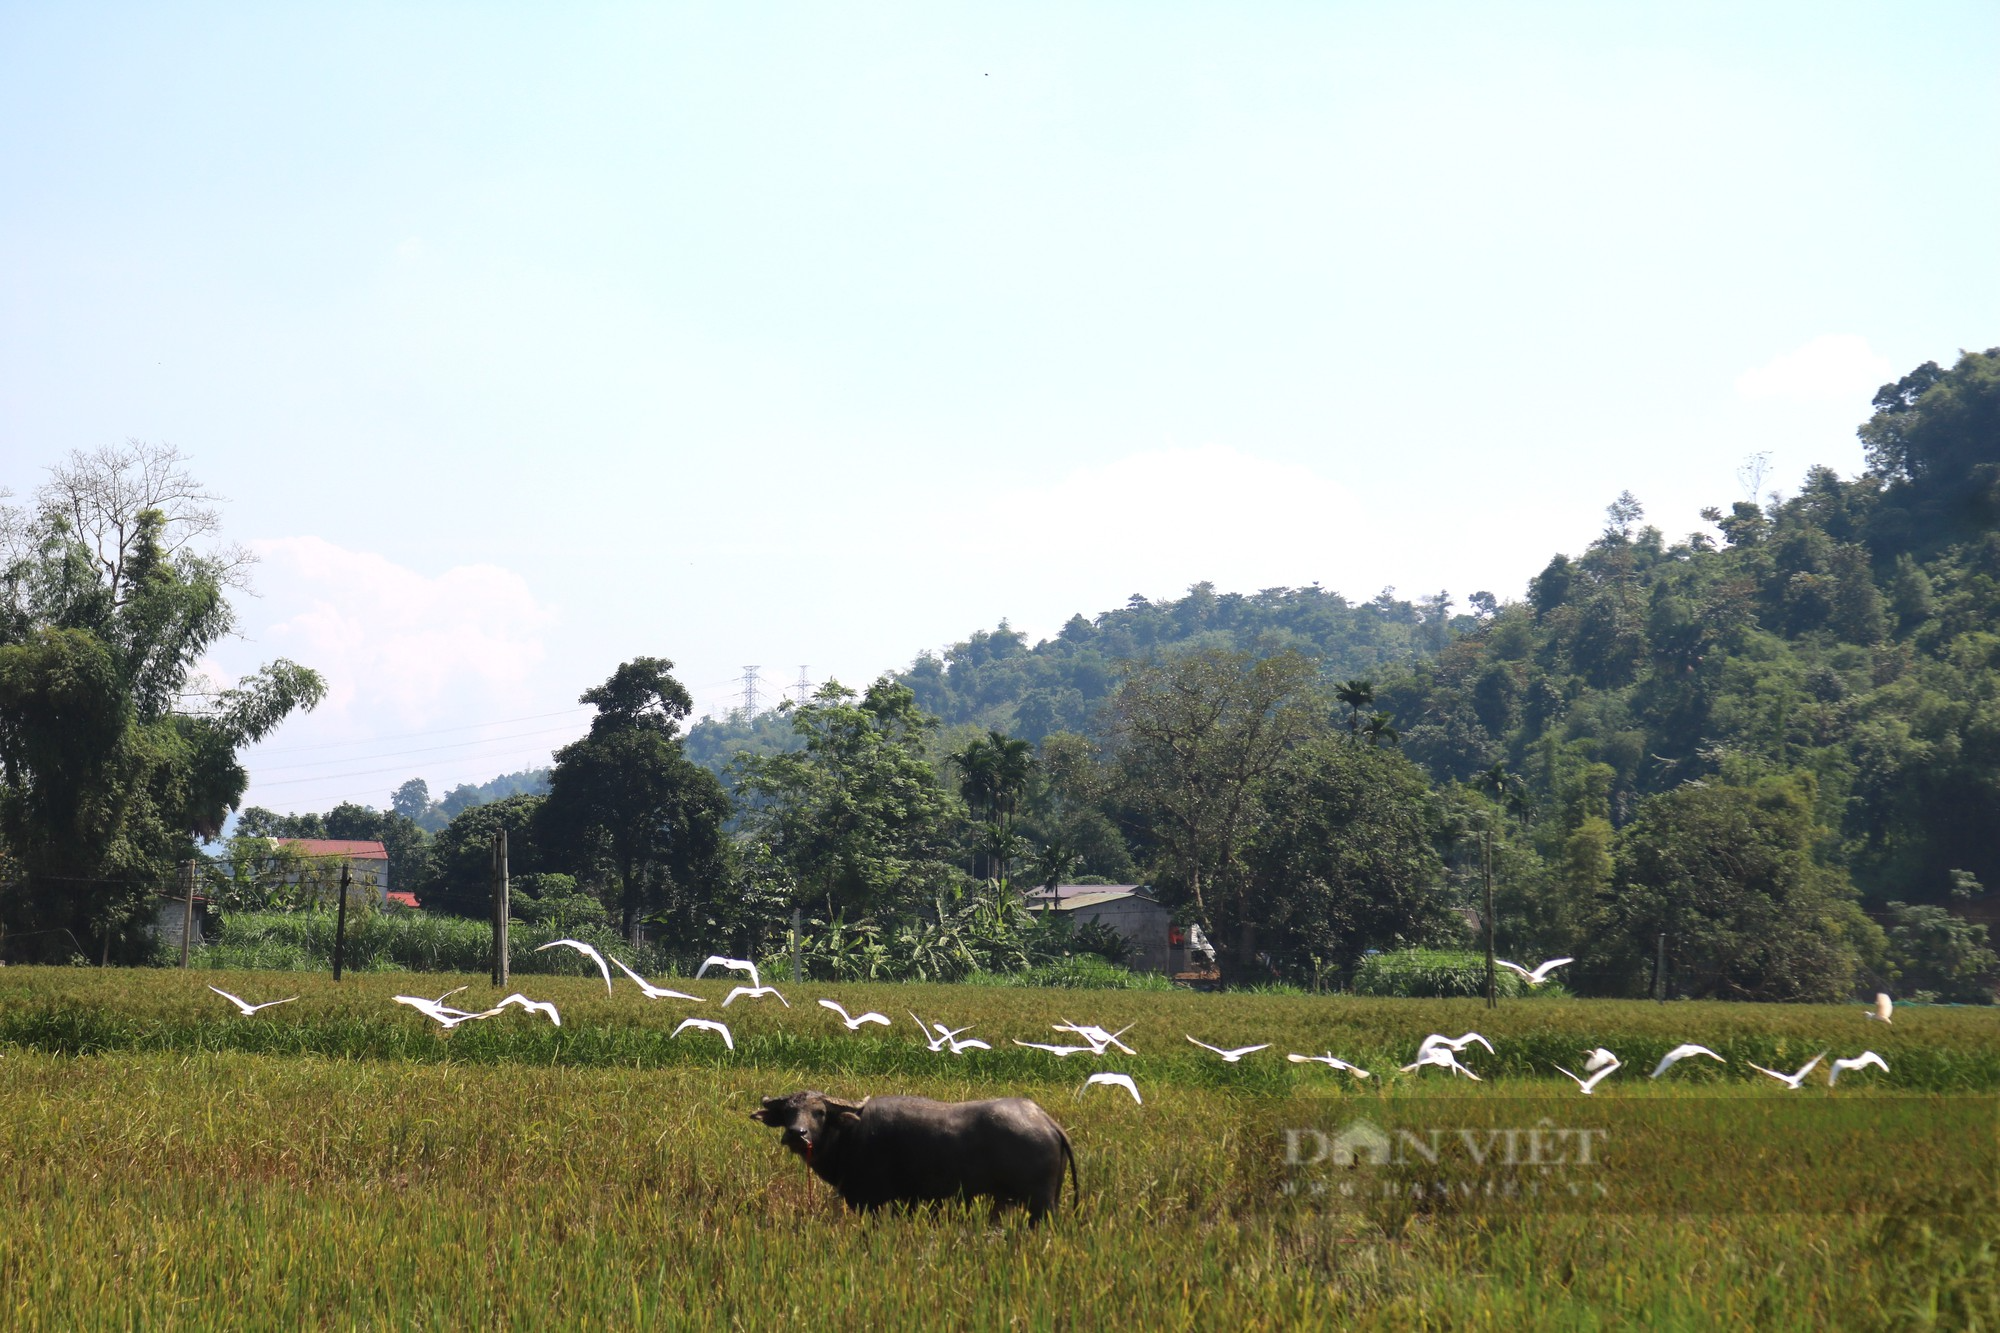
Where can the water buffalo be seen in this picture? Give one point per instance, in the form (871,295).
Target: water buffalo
(912,1150)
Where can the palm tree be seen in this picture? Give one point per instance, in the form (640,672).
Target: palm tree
(1380,732)
(1358,695)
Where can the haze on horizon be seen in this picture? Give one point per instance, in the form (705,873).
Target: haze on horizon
(526,341)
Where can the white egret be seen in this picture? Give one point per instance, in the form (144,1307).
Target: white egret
(1454,1044)
(1598,1059)
(969,1044)
(1679,1053)
(532,1006)
(244,1005)
(706,1025)
(1097,1036)
(931,1039)
(1057,1051)
(1884,1006)
(1540,974)
(1861,1061)
(853,1021)
(1444,1057)
(732,965)
(1231,1057)
(652,992)
(588,952)
(1331,1061)
(1114,1081)
(754,993)
(444,1015)
(1589,1085)
(1791,1081)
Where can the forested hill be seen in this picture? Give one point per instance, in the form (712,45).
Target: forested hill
(996,680)
(1851,631)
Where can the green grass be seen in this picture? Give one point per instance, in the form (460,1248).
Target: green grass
(339,1163)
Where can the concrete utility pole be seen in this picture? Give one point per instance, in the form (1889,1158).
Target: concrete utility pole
(1486,869)
(501,908)
(340,921)
(797,922)
(1660,971)
(187,911)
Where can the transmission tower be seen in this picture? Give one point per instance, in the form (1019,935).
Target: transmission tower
(750,683)
(804,686)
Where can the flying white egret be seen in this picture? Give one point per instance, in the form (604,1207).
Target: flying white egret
(1679,1053)
(1589,1085)
(931,1039)
(444,1015)
(732,965)
(447,995)
(853,1021)
(969,1044)
(1444,1058)
(652,992)
(1540,974)
(244,1005)
(1598,1059)
(1231,1057)
(754,993)
(588,952)
(1114,1081)
(1453,1044)
(532,1006)
(706,1025)
(1057,1051)
(1884,1006)
(1331,1061)
(1097,1036)
(1861,1061)
(1791,1081)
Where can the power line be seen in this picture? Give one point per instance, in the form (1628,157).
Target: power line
(428,749)
(434,731)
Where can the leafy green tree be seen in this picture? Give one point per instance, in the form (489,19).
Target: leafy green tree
(1731,877)
(856,815)
(627,793)
(461,863)
(113,759)
(1195,735)
(1932,950)
(1343,861)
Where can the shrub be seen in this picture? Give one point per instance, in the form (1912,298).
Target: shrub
(1431,974)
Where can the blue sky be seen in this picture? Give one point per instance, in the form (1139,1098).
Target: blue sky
(527,339)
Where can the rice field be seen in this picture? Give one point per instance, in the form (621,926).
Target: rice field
(339,1162)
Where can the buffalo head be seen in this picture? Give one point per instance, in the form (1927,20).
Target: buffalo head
(807,1119)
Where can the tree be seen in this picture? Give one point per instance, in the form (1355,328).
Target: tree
(993,772)
(1358,697)
(1933,950)
(856,816)
(1343,860)
(1730,875)
(461,855)
(1195,734)
(625,791)
(114,755)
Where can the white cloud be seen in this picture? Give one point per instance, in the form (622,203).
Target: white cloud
(1833,366)
(390,640)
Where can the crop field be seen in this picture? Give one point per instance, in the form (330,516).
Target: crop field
(340,1162)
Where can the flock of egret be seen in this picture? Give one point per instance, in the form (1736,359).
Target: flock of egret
(1436,1051)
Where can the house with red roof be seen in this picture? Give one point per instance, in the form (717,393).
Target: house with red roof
(367,864)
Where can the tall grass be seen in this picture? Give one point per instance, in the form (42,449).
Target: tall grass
(340,1163)
(410,942)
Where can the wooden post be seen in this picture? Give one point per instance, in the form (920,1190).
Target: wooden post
(187,911)
(797,920)
(1660,971)
(1486,867)
(340,921)
(500,908)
